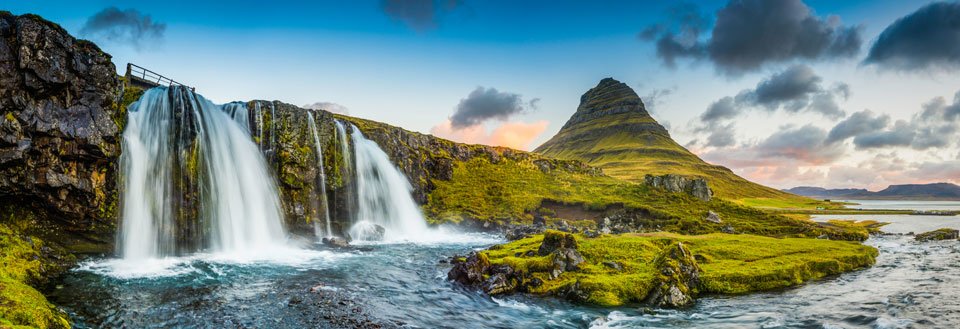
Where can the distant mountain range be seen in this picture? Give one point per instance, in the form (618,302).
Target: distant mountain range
(935,191)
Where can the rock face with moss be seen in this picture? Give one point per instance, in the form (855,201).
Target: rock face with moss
(658,269)
(696,187)
(59,137)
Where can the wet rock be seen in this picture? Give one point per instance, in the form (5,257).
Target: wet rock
(516,232)
(469,271)
(713,217)
(939,234)
(696,187)
(335,241)
(679,278)
(502,280)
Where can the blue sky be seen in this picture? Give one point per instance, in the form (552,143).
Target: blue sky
(414,73)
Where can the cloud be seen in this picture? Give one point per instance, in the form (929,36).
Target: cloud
(790,88)
(679,38)
(328,106)
(926,39)
(721,136)
(935,126)
(656,97)
(901,134)
(484,104)
(125,26)
(724,108)
(795,89)
(419,15)
(806,144)
(858,123)
(854,177)
(937,171)
(750,34)
(517,135)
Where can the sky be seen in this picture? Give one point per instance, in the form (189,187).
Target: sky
(784,92)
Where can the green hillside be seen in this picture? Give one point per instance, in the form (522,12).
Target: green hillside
(613,131)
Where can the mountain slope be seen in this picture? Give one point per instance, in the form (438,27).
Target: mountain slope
(612,130)
(935,191)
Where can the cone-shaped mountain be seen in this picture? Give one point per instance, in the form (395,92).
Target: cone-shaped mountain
(613,130)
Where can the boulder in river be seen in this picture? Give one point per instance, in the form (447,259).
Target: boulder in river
(335,241)
(939,234)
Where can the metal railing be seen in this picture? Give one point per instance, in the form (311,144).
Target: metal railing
(139,75)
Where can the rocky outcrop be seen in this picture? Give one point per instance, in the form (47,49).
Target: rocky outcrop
(939,234)
(59,132)
(679,278)
(696,187)
(713,217)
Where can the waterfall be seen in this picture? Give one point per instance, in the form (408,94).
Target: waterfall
(345,169)
(323,174)
(259,114)
(193,180)
(384,197)
(238,112)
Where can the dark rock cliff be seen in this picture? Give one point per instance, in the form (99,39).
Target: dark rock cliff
(59,137)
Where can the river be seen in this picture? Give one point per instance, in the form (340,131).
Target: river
(404,285)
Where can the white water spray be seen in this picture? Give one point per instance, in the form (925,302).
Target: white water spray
(323,174)
(384,196)
(175,136)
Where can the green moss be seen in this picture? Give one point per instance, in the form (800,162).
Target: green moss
(729,264)
(21,304)
(511,189)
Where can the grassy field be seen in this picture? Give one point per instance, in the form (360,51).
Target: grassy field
(509,191)
(729,264)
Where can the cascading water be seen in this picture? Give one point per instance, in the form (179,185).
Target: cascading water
(259,116)
(193,180)
(384,197)
(323,174)
(238,112)
(345,169)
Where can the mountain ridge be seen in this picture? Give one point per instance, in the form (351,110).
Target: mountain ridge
(932,191)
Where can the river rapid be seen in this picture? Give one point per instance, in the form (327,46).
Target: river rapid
(403,284)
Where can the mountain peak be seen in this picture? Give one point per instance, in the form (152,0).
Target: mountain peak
(610,94)
(612,130)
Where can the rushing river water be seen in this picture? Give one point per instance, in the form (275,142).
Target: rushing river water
(912,285)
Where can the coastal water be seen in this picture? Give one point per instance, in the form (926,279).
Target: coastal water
(903,204)
(912,285)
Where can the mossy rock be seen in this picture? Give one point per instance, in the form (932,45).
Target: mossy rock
(648,267)
(938,234)
(20,304)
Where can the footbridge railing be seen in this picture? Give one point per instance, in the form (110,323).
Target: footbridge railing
(141,77)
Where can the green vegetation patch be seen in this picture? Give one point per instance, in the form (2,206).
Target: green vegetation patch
(512,189)
(21,304)
(621,269)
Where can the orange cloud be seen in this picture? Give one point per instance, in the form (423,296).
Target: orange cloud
(517,135)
